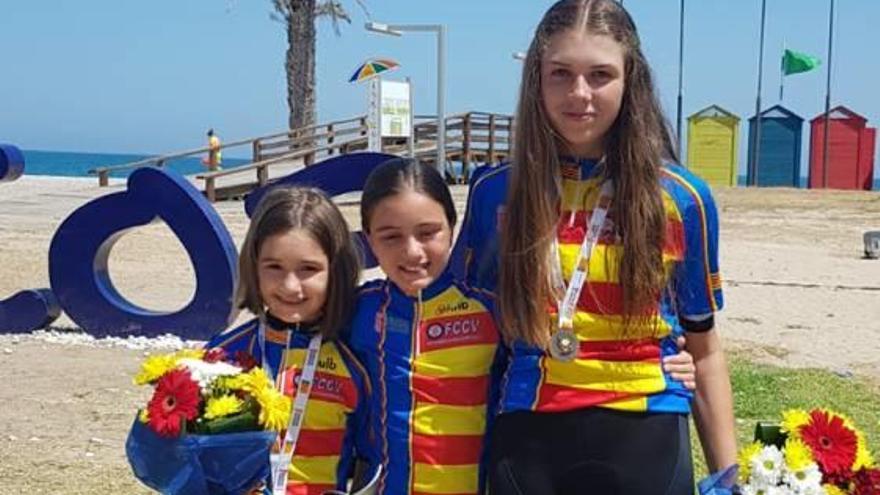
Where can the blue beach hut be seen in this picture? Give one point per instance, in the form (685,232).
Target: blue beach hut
(779,159)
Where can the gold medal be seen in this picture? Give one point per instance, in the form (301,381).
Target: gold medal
(564,345)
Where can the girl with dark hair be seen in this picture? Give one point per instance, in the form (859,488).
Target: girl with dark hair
(298,270)
(602,252)
(428,342)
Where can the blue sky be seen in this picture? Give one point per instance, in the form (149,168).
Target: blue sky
(111,76)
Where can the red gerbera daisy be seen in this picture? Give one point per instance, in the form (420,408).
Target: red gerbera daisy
(176,398)
(868,482)
(215,355)
(833,444)
(245,360)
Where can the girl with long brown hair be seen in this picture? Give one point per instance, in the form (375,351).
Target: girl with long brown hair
(602,253)
(298,270)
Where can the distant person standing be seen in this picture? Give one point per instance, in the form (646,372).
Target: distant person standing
(215,156)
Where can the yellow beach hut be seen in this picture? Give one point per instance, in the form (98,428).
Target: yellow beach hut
(713,137)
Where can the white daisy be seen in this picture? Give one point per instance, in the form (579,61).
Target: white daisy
(766,467)
(807,481)
(205,373)
(751,489)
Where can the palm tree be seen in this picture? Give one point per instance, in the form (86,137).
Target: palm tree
(299,18)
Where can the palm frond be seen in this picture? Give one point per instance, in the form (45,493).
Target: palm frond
(335,11)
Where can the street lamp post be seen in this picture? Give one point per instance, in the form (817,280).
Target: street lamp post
(440,30)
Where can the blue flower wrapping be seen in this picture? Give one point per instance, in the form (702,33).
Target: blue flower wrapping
(227,463)
(720,483)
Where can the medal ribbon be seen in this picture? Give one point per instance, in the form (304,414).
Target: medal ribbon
(280,462)
(568,305)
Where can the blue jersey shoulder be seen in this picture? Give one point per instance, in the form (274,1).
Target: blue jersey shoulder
(686,188)
(235,339)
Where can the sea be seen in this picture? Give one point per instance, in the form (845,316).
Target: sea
(78,164)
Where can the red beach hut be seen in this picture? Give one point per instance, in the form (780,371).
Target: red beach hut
(850,151)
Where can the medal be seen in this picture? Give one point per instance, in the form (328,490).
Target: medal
(564,345)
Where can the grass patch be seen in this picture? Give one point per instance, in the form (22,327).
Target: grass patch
(762,392)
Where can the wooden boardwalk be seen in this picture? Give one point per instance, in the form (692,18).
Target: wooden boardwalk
(471,138)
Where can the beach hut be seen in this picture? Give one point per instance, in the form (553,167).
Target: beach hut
(850,151)
(779,157)
(713,136)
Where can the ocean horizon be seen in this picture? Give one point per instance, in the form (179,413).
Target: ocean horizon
(78,164)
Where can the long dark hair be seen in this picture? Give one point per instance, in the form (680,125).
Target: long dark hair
(635,147)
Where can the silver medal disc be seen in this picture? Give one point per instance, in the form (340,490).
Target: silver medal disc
(564,345)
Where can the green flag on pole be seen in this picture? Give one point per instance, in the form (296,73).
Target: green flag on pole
(794,62)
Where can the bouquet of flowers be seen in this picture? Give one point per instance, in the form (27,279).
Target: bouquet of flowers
(209,425)
(814,452)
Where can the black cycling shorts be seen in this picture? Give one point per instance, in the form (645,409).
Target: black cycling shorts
(590,451)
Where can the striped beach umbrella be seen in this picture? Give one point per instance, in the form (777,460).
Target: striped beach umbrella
(372,68)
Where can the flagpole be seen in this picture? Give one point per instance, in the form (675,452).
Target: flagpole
(753,175)
(680,73)
(827,99)
(782,73)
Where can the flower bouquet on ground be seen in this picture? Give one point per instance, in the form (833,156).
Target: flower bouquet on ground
(209,426)
(815,452)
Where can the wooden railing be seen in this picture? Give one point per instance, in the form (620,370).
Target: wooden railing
(295,141)
(329,138)
(305,144)
(160,161)
(473,137)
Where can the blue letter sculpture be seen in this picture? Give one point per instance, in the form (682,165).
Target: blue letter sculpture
(81,246)
(29,309)
(11,163)
(335,176)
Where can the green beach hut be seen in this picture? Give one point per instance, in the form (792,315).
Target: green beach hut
(713,136)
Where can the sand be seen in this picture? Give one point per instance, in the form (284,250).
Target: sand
(797,293)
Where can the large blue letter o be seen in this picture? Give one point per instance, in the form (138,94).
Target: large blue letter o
(82,244)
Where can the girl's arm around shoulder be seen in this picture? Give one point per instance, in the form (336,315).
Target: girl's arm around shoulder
(485,203)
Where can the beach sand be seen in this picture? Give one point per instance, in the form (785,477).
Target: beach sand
(797,293)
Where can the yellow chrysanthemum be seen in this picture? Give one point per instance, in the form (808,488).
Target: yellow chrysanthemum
(218,407)
(274,409)
(154,367)
(792,420)
(745,459)
(253,382)
(189,354)
(144,416)
(832,490)
(797,455)
(864,459)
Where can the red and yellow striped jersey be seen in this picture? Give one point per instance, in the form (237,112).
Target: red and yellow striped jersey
(335,427)
(616,367)
(431,362)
